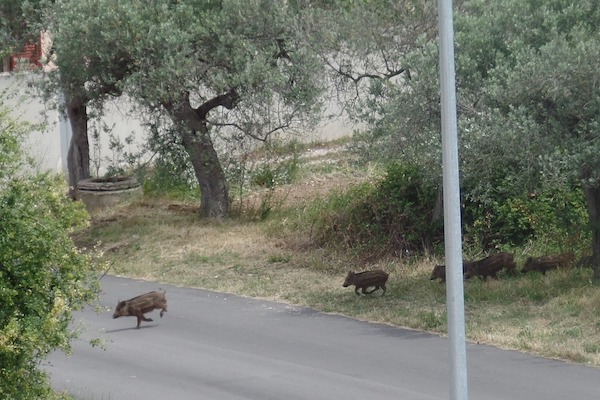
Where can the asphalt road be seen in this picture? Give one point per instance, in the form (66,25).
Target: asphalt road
(218,346)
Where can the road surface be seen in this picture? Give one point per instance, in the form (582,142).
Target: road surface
(218,346)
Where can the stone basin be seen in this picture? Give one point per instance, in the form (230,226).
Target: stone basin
(99,193)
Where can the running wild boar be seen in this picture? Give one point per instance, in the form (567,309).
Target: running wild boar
(364,280)
(490,266)
(140,305)
(546,263)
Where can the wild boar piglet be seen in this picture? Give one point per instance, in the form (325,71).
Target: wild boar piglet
(491,265)
(363,280)
(547,263)
(139,305)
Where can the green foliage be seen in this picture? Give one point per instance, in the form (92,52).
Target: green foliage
(403,116)
(15,30)
(170,173)
(274,174)
(170,177)
(12,133)
(557,220)
(43,276)
(360,40)
(270,176)
(395,216)
(524,151)
(264,177)
(167,179)
(528,112)
(268,167)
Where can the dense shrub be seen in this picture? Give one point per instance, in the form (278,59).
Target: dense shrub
(395,216)
(43,277)
(169,179)
(558,220)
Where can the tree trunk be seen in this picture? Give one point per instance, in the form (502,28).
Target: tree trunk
(214,196)
(78,157)
(592,198)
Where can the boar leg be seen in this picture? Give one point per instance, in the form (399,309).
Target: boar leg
(384,290)
(356,290)
(140,318)
(164,310)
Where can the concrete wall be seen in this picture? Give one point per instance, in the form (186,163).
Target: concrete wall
(43,145)
(49,146)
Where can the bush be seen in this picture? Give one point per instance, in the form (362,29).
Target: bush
(43,277)
(396,216)
(558,220)
(280,167)
(168,179)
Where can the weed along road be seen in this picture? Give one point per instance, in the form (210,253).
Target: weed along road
(217,346)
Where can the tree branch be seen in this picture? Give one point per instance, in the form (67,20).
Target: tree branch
(228,100)
(263,138)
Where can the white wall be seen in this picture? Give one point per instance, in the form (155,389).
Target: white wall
(44,146)
(50,145)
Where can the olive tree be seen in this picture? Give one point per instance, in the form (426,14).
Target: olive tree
(531,67)
(79,99)
(364,44)
(82,67)
(528,101)
(43,276)
(559,87)
(204,68)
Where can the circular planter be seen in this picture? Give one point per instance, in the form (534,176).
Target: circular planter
(98,193)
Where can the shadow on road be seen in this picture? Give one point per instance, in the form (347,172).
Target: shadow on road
(133,328)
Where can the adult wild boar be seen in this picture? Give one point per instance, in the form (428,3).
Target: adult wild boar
(491,265)
(366,279)
(140,305)
(546,263)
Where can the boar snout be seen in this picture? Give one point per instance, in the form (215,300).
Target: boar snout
(349,279)
(119,310)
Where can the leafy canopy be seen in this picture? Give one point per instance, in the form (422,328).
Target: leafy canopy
(528,97)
